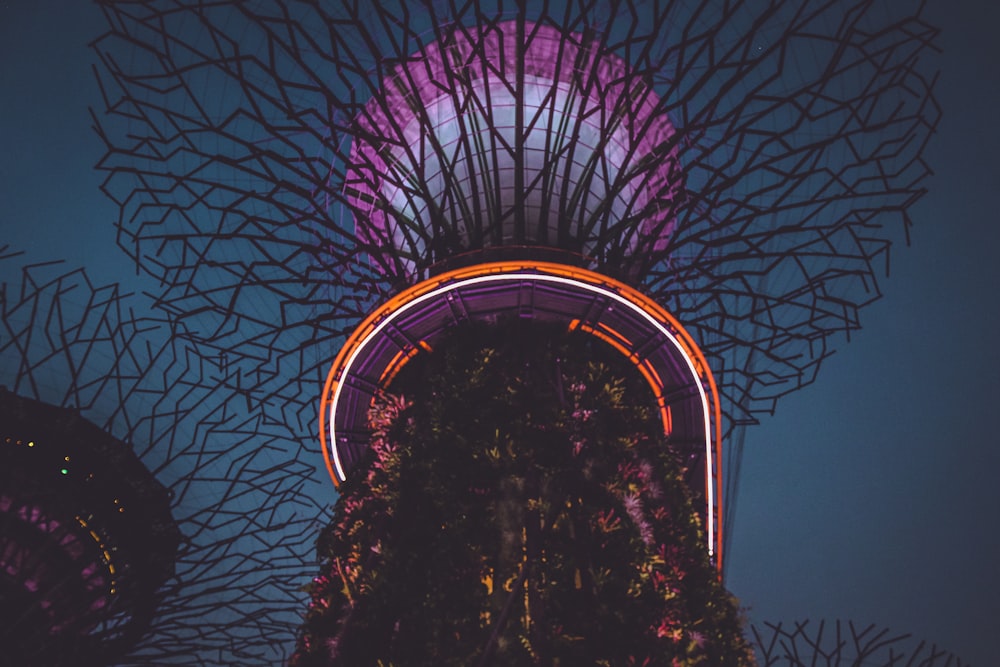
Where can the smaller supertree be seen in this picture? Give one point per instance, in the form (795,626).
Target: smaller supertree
(520,506)
(138,498)
(86,539)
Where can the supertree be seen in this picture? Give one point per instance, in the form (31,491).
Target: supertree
(711,191)
(131,507)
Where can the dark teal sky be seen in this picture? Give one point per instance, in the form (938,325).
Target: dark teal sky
(870,495)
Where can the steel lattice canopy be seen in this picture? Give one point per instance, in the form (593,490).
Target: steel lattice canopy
(800,131)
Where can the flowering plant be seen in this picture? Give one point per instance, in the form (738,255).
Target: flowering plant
(521,506)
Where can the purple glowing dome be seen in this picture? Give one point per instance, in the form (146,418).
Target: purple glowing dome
(514,134)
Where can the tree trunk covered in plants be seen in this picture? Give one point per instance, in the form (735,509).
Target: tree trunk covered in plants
(521,507)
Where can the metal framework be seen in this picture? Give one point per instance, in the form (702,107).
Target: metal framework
(750,164)
(277,191)
(808,644)
(239,492)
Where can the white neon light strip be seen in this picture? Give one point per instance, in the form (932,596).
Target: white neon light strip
(709,459)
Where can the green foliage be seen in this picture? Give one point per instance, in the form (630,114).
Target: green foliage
(520,507)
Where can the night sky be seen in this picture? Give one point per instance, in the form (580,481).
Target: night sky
(869,496)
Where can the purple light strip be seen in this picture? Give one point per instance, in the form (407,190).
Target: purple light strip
(360,353)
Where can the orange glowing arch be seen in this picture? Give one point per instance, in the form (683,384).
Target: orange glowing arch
(645,333)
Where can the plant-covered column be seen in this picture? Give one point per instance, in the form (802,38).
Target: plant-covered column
(521,506)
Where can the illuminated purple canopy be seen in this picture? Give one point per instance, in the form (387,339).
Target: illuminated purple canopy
(495,137)
(645,334)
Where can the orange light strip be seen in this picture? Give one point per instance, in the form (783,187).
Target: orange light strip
(402,358)
(617,334)
(651,378)
(589,279)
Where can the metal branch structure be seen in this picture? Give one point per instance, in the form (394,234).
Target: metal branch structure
(98,403)
(283,169)
(822,644)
